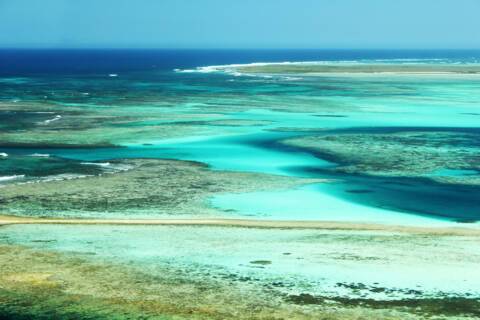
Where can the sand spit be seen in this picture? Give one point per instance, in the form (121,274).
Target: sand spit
(251,223)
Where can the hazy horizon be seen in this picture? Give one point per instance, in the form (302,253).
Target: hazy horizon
(243,49)
(229,24)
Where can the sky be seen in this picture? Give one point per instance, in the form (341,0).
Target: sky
(389,24)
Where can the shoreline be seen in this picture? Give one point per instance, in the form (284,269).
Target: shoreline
(6,220)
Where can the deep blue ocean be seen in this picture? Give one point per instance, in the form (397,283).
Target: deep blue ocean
(68,61)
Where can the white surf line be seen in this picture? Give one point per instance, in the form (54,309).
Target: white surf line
(99,164)
(232,69)
(40,155)
(13,177)
(56,118)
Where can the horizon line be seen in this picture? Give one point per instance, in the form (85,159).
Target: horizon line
(241,48)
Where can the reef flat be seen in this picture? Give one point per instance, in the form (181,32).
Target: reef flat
(143,188)
(365,68)
(45,124)
(403,152)
(100,272)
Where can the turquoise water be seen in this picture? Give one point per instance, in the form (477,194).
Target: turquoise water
(236,122)
(311,203)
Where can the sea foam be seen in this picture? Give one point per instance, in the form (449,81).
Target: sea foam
(42,155)
(14,177)
(56,118)
(100,164)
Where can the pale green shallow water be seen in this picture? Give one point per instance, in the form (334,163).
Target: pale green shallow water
(388,265)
